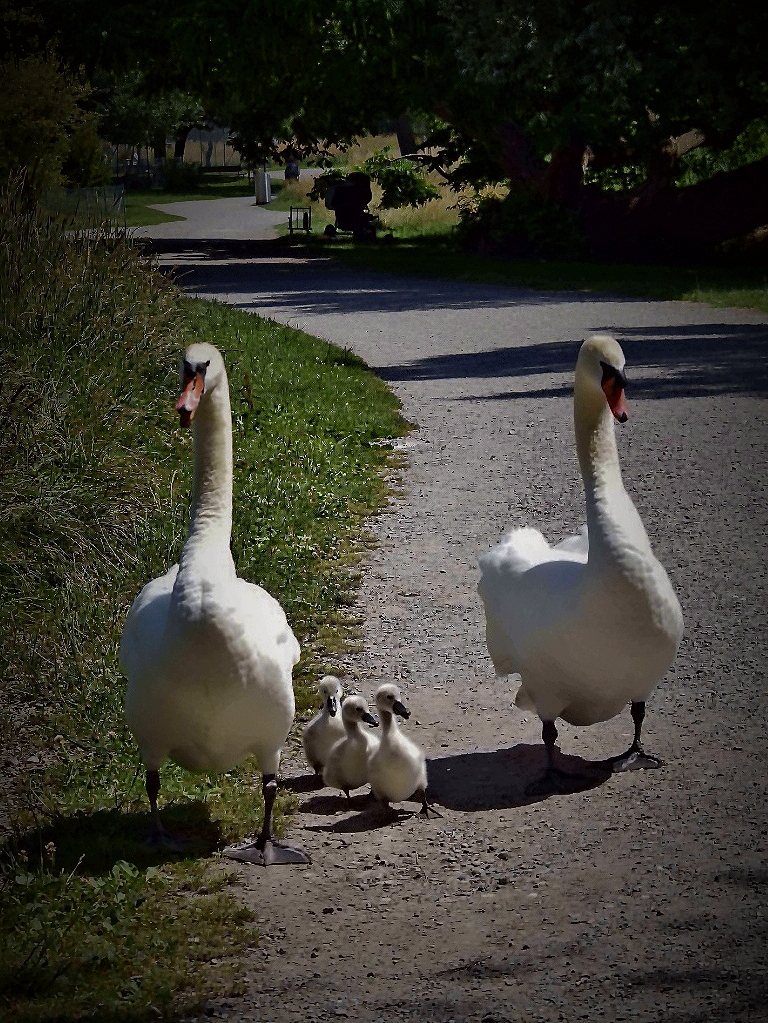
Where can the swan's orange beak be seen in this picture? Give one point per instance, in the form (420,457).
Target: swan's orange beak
(614,392)
(191,393)
(613,384)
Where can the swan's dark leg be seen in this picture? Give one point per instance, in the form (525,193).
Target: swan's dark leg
(555,779)
(265,850)
(159,837)
(636,757)
(426,806)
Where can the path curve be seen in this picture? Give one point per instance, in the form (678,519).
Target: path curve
(235,219)
(643,898)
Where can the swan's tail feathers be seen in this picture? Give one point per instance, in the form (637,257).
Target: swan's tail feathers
(515,553)
(576,547)
(523,699)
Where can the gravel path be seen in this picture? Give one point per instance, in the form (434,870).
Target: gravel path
(643,898)
(237,219)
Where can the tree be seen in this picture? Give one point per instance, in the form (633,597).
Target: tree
(39,112)
(591,107)
(579,100)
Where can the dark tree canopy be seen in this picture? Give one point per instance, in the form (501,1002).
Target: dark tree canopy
(590,104)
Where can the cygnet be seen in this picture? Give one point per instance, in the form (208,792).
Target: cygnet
(397,768)
(326,727)
(346,767)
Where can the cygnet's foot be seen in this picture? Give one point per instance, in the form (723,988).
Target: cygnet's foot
(159,838)
(635,759)
(266,853)
(428,810)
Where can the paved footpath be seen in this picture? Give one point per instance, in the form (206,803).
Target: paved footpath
(643,898)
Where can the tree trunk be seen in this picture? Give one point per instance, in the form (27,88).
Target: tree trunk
(673,224)
(405,139)
(181,142)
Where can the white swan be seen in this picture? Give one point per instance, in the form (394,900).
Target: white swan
(326,727)
(592,623)
(209,656)
(398,768)
(346,767)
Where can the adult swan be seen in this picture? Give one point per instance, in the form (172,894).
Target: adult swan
(209,656)
(592,623)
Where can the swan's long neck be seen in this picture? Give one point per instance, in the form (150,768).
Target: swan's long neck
(211,516)
(599,463)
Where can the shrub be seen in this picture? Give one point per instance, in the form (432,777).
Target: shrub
(521,225)
(176,176)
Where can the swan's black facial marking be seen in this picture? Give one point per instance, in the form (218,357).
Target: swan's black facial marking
(195,369)
(613,383)
(610,373)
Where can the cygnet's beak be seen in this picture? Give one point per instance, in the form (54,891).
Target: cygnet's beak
(401,709)
(370,719)
(192,387)
(332,706)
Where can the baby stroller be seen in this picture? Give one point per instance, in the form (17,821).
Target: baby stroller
(349,200)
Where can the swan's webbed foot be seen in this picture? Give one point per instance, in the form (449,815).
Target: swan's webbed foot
(159,838)
(635,759)
(556,781)
(266,852)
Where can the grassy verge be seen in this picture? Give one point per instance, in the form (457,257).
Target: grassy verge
(95,480)
(439,256)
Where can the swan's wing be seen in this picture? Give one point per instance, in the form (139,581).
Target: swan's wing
(260,623)
(141,641)
(576,547)
(529,590)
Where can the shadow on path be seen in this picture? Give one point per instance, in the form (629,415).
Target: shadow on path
(669,362)
(502,778)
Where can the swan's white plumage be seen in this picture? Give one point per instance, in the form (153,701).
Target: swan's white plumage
(326,728)
(346,767)
(591,623)
(208,656)
(398,768)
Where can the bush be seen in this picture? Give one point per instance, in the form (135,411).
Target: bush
(521,225)
(176,176)
(85,165)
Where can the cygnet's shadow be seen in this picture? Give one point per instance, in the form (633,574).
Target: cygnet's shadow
(303,782)
(336,803)
(505,778)
(374,816)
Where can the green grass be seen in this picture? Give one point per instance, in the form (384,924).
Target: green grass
(95,478)
(740,286)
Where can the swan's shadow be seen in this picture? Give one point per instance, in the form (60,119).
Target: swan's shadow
(93,842)
(505,778)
